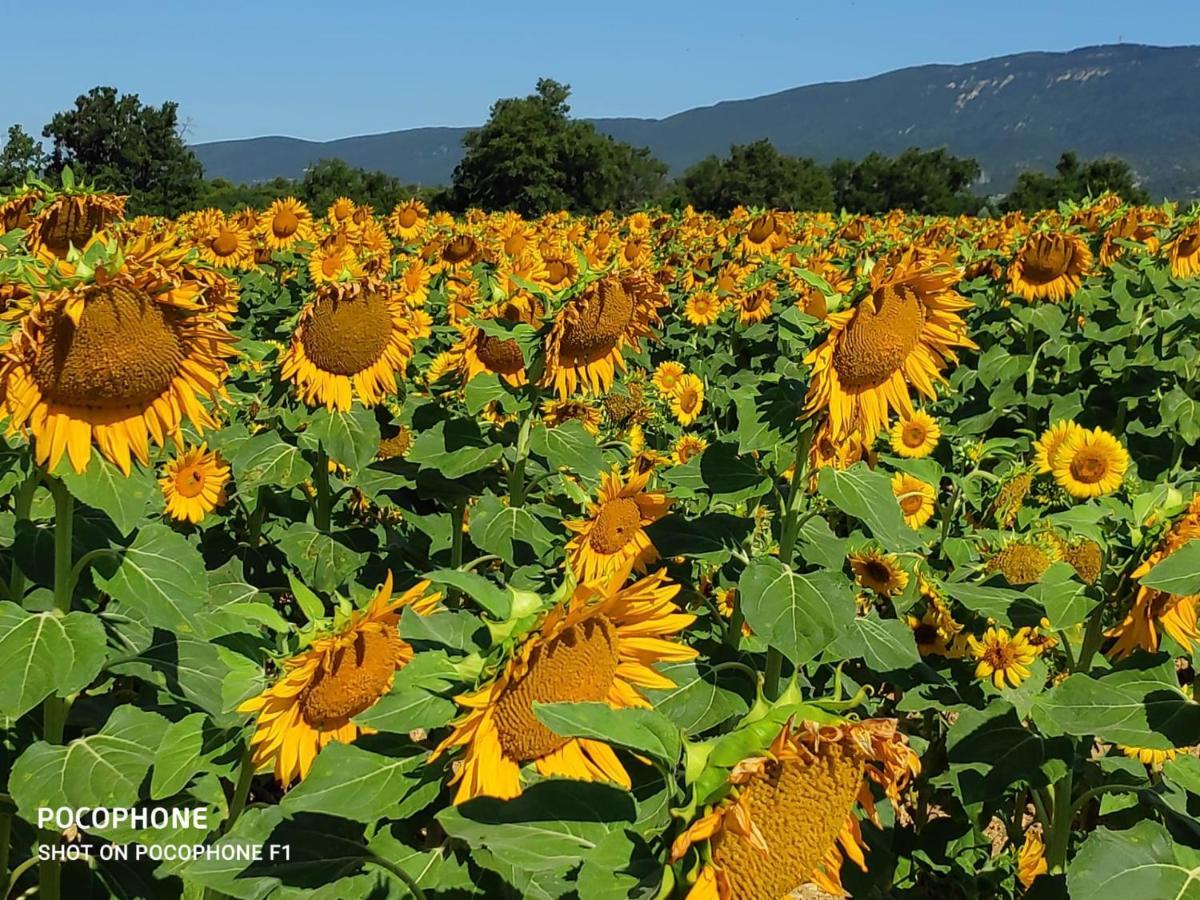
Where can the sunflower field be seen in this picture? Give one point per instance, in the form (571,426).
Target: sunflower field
(655,556)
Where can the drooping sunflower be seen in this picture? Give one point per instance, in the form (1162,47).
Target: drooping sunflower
(347,345)
(193,484)
(916,498)
(71,219)
(479,353)
(1090,464)
(1050,266)
(1148,756)
(1047,447)
(556,412)
(586,344)
(1011,498)
(702,308)
(409,219)
(601,645)
(755,306)
(900,335)
(881,572)
(1184,252)
(1154,611)
(790,817)
(337,677)
(915,437)
(285,222)
(1023,561)
(687,400)
(1031,859)
(612,540)
(1002,657)
(117,360)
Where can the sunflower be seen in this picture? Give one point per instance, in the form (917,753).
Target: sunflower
(1090,464)
(1050,266)
(341,211)
(899,335)
(686,447)
(601,645)
(1154,611)
(354,344)
(1148,757)
(789,818)
(584,348)
(666,377)
(415,281)
(409,220)
(1047,447)
(395,445)
(223,242)
(556,412)
(702,308)
(1011,498)
(612,539)
(193,484)
(334,263)
(1086,557)
(1184,252)
(754,306)
(118,361)
(285,222)
(480,353)
(880,572)
(337,677)
(1001,657)
(935,632)
(1022,561)
(71,220)
(915,437)
(1031,858)
(687,400)
(916,498)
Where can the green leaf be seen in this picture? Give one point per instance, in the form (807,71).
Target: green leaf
(1139,862)
(492,598)
(483,389)
(885,645)
(698,701)
(322,561)
(867,496)
(645,730)
(349,781)
(104,487)
(712,537)
(160,576)
(495,528)
(178,757)
(722,472)
(568,446)
(456,630)
(1179,573)
(991,749)
(265,459)
(455,448)
(350,438)
(44,654)
(800,615)
(407,709)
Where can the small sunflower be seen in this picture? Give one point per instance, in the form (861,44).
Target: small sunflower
(337,677)
(601,645)
(1050,266)
(223,242)
(755,306)
(1002,657)
(916,436)
(193,484)
(702,309)
(687,400)
(285,222)
(1090,464)
(881,572)
(409,220)
(1184,252)
(612,540)
(1047,447)
(556,412)
(686,447)
(1022,561)
(1156,759)
(916,498)
(1031,858)
(666,377)
(480,353)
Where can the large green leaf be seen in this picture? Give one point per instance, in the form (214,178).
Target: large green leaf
(493,598)
(324,562)
(160,576)
(867,496)
(455,448)
(638,729)
(496,528)
(885,645)
(350,438)
(722,472)
(406,710)
(800,615)
(265,459)
(349,781)
(1179,573)
(699,701)
(568,446)
(44,654)
(1136,863)
(712,537)
(124,499)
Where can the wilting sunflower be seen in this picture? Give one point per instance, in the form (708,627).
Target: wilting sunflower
(285,222)
(1090,464)
(586,343)
(666,377)
(790,816)
(557,412)
(1047,447)
(1154,611)
(71,219)
(1022,561)
(193,484)
(480,353)
(1184,252)
(702,308)
(395,445)
(599,646)
(686,447)
(916,498)
(899,335)
(1002,657)
(915,437)
(1148,757)
(117,361)
(755,306)
(687,400)
(1011,498)
(354,344)
(1031,859)
(409,219)
(337,677)
(1050,266)
(612,540)
(880,572)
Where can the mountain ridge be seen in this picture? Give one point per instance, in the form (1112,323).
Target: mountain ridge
(1012,113)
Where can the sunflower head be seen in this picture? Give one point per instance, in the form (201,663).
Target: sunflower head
(1090,464)
(1002,657)
(193,484)
(612,540)
(916,498)
(915,436)
(881,572)
(1050,266)
(1023,561)
(71,219)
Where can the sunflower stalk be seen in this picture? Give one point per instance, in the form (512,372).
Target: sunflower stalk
(516,476)
(1061,817)
(22,503)
(323,493)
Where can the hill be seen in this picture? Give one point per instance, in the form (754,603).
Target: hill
(1010,112)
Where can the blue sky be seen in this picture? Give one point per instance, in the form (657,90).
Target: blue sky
(327,70)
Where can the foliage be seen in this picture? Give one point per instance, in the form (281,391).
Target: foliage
(21,156)
(931,182)
(755,175)
(1074,180)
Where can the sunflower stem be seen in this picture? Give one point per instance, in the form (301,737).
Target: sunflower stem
(5,836)
(323,501)
(254,522)
(404,877)
(457,517)
(21,870)
(771,676)
(516,477)
(241,790)
(733,636)
(1060,825)
(22,503)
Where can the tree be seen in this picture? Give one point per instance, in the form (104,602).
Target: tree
(1074,180)
(21,156)
(756,175)
(328,179)
(531,157)
(932,182)
(128,147)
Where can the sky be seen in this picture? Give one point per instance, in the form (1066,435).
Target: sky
(328,70)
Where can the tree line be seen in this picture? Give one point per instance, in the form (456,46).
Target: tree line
(533,157)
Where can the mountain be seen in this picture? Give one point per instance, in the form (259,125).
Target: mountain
(1011,113)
